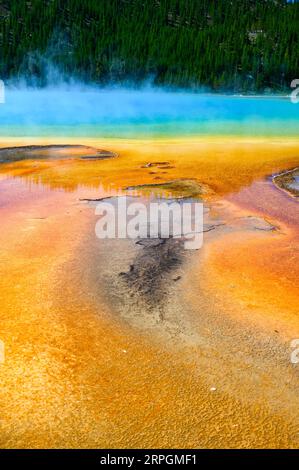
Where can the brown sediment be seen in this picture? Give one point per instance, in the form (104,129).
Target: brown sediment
(287,182)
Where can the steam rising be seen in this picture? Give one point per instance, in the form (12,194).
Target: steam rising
(74,108)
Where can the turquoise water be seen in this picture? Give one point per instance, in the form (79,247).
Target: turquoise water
(149,113)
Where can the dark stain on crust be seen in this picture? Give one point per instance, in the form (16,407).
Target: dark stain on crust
(148,275)
(183,187)
(100,155)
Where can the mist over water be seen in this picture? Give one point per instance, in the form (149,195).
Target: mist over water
(80,110)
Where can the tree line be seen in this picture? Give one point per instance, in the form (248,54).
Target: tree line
(227,45)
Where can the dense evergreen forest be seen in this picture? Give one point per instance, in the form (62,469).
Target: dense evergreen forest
(237,45)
